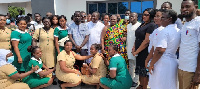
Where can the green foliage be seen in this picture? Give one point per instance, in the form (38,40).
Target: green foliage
(14,11)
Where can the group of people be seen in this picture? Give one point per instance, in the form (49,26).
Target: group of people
(112,49)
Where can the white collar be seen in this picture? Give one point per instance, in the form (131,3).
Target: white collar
(116,55)
(21,31)
(39,61)
(61,28)
(171,25)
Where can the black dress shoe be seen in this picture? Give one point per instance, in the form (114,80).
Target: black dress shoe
(134,84)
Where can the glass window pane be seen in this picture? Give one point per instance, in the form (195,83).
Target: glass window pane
(92,8)
(147,4)
(136,7)
(102,8)
(140,17)
(112,8)
(122,7)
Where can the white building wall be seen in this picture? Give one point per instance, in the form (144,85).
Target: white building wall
(28,8)
(3,8)
(68,7)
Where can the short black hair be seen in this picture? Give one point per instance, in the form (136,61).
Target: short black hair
(170,4)
(37,13)
(77,12)
(171,13)
(128,10)
(115,47)
(82,12)
(46,18)
(194,1)
(32,49)
(67,41)
(20,19)
(62,16)
(97,46)
(98,14)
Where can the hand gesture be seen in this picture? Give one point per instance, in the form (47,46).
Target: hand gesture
(34,68)
(150,69)
(123,39)
(196,79)
(20,60)
(103,51)
(78,72)
(135,54)
(78,48)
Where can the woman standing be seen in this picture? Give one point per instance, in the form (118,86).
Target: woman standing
(164,62)
(97,67)
(140,48)
(21,39)
(54,21)
(45,36)
(60,32)
(64,69)
(106,20)
(4,34)
(114,34)
(154,36)
(119,77)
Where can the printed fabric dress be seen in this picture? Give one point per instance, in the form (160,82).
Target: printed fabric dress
(123,79)
(6,71)
(5,39)
(113,36)
(46,43)
(25,40)
(60,33)
(34,80)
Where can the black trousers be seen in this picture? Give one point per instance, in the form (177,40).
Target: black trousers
(79,63)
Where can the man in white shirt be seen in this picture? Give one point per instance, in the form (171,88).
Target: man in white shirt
(37,23)
(189,57)
(79,35)
(95,29)
(131,27)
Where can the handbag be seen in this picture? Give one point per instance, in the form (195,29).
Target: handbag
(85,71)
(62,41)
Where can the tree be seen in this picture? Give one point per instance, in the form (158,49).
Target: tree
(14,11)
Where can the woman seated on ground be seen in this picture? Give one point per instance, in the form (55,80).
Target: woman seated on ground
(9,74)
(119,77)
(38,79)
(97,67)
(65,71)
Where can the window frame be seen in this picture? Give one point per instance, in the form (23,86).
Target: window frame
(116,1)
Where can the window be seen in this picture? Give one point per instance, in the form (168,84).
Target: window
(120,7)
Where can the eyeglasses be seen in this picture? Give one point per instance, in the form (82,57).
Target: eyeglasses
(146,14)
(83,15)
